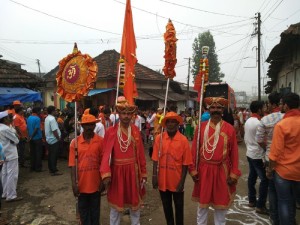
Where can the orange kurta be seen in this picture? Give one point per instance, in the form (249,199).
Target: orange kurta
(212,188)
(89,159)
(126,169)
(20,122)
(285,147)
(174,154)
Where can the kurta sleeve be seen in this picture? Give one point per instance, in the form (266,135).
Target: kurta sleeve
(72,153)
(234,157)
(192,167)
(142,157)
(187,156)
(156,148)
(108,140)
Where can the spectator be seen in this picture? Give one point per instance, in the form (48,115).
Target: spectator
(10,169)
(264,135)
(21,128)
(285,159)
(255,156)
(52,134)
(35,140)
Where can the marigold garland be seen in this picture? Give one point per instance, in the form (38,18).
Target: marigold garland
(170,51)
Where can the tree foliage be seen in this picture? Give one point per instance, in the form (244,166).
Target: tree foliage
(206,39)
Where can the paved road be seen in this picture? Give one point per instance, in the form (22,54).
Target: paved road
(48,200)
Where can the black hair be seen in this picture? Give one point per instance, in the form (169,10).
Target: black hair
(94,112)
(256,105)
(107,111)
(36,110)
(19,109)
(50,109)
(274,98)
(291,99)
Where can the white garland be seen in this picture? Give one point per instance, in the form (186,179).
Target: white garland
(207,147)
(124,144)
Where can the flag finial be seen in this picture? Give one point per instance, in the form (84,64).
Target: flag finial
(75,49)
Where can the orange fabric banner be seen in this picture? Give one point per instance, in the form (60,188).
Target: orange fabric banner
(128,49)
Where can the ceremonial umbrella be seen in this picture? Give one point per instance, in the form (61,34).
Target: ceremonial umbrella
(77,75)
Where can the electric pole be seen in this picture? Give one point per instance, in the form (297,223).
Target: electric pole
(188,81)
(258,54)
(38,62)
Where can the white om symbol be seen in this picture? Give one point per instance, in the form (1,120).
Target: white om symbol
(71,72)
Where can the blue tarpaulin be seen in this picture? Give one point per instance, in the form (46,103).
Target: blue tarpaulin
(9,94)
(99,91)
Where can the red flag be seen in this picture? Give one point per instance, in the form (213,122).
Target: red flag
(128,48)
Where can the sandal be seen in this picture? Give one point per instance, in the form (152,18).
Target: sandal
(14,199)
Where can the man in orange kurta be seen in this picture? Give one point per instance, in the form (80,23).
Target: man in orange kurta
(284,157)
(217,171)
(123,167)
(87,188)
(21,128)
(171,158)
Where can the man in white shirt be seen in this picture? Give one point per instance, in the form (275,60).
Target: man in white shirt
(52,134)
(264,135)
(10,170)
(255,156)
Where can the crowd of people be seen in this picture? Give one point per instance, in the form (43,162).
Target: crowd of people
(108,156)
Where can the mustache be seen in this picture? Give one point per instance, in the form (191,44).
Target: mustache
(216,113)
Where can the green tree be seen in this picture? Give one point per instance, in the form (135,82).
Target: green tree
(206,39)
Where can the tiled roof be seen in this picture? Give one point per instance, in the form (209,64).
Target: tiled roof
(107,63)
(11,75)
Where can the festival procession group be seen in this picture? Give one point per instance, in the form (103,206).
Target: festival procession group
(106,155)
(114,163)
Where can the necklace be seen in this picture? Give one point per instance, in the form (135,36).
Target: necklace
(124,144)
(207,146)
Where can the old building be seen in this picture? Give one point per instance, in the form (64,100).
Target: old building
(284,59)
(151,86)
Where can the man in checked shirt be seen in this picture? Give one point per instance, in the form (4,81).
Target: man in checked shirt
(264,136)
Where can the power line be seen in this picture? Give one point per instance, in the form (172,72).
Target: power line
(201,10)
(233,43)
(67,21)
(273,10)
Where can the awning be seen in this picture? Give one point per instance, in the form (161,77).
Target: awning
(10,94)
(99,91)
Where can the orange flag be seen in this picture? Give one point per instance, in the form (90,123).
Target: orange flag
(128,54)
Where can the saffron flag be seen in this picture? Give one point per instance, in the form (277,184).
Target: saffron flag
(128,49)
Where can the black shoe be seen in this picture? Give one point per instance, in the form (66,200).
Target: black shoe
(252,204)
(56,174)
(262,210)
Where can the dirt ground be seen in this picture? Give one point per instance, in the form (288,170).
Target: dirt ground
(48,200)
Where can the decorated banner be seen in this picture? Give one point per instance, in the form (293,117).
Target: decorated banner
(128,57)
(77,75)
(170,51)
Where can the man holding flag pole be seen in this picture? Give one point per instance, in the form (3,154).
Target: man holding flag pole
(215,157)
(123,167)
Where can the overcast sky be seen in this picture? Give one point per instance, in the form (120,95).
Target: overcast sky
(46,30)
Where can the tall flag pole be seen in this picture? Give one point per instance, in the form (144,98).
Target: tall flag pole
(126,72)
(200,82)
(169,68)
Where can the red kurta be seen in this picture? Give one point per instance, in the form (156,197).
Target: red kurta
(126,169)
(212,188)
